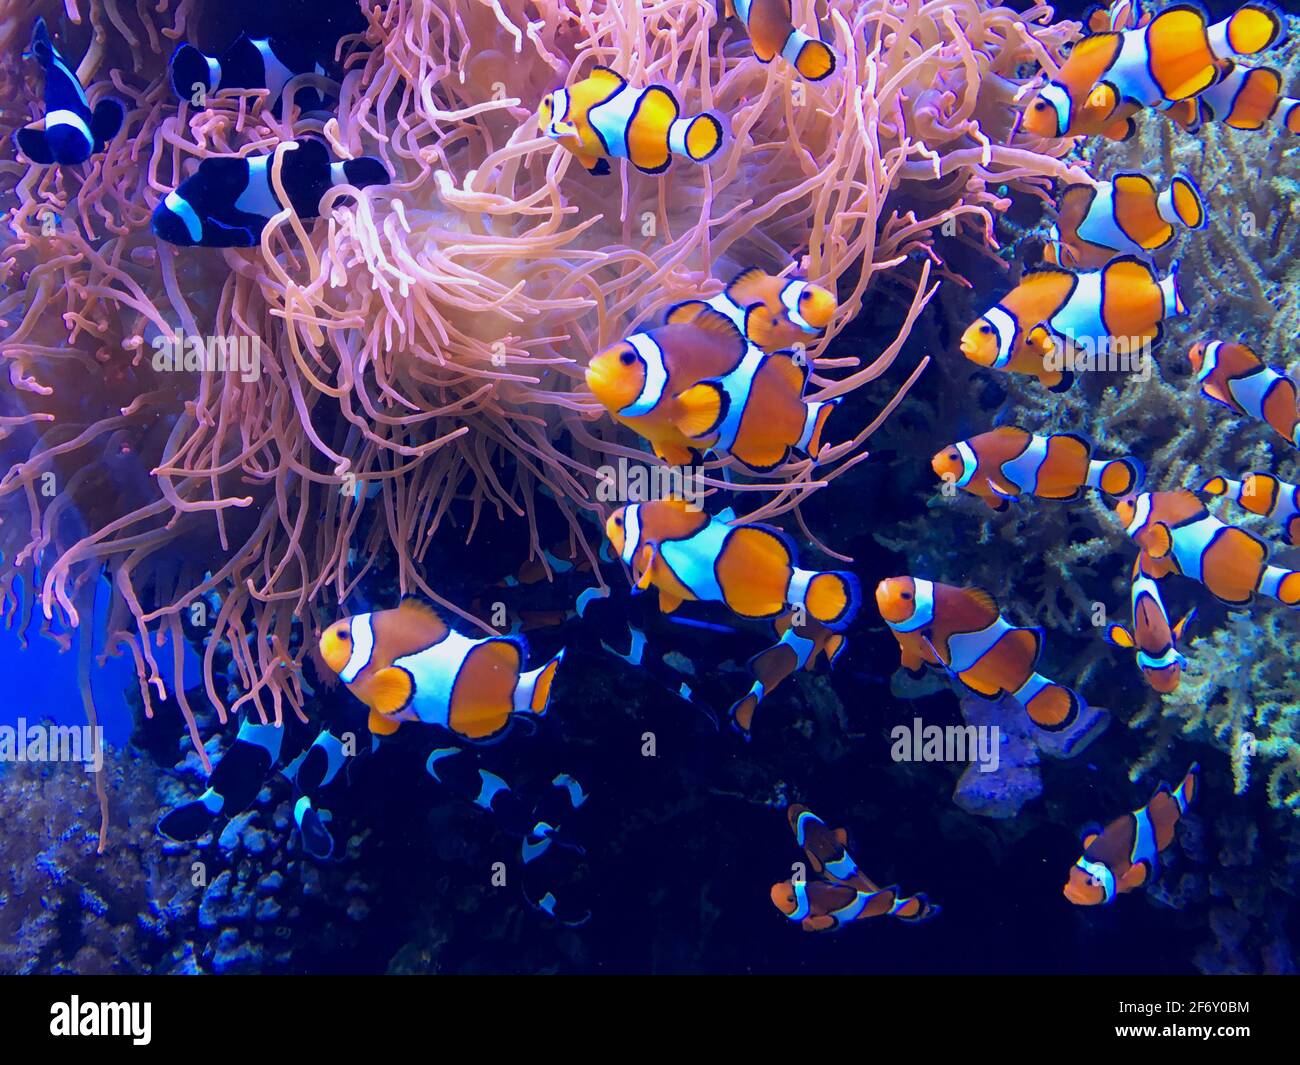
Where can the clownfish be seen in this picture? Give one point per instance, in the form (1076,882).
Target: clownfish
(1234,376)
(1110,76)
(73,132)
(772,32)
(407,664)
(689,556)
(702,387)
(1178,534)
(961,631)
(1125,854)
(228,200)
(1000,465)
(1248,98)
(1263,494)
(603,116)
(1152,637)
(249,63)
(1128,215)
(1119,15)
(1052,306)
(842,893)
(772,312)
(798,648)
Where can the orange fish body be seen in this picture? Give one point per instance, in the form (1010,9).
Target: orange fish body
(1127,216)
(1125,855)
(1109,76)
(838,893)
(407,664)
(961,631)
(689,556)
(1152,638)
(1265,495)
(1007,462)
(772,32)
(799,647)
(604,117)
(1034,327)
(774,313)
(1178,534)
(1234,376)
(1248,98)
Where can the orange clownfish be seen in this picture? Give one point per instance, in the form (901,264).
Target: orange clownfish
(1178,534)
(772,32)
(961,631)
(1128,215)
(1030,329)
(1110,76)
(798,648)
(1263,494)
(1125,854)
(407,664)
(773,312)
(1152,637)
(1118,15)
(841,892)
(1234,376)
(603,116)
(1247,98)
(690,556)
(1000,465)
(700,386)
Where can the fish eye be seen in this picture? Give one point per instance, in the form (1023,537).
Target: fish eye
(953,456)
(1040,105)
(618,522)
(904,595)
(986,329)
(627,358)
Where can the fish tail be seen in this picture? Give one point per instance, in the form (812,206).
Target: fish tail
(697,138)
(1173,297)
(1116,477)
(810,442)
(1287,114)
(1249,30)
(914,908)
(360,172)
(832,598)
(814,59)
(1051,706)
(1185,793)
(741,714)
(1183,204)
(533,692)
(189,68)
(1280,584)
(1220,486)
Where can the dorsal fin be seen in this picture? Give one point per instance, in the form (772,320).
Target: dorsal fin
(982,598)
(740,289)
(603,75)
(716,322)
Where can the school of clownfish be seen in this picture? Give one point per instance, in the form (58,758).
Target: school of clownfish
(720,377)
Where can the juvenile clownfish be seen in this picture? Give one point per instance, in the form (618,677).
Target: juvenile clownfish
(249,63)
(1128,215)
(751,569)
(772,32)
(1248,98)
(603,116)
(702,387)
(1051,307)
(1152,637)
(1234,376)
(1178,535)
(772,312)
(407,664)
(1263,494)
(228,200)
(960,631)
(1110,76)
(1000,465)
(841,892)
(1125,854)
(73,132)
(798,648)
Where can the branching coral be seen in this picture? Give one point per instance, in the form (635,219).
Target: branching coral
(422,345)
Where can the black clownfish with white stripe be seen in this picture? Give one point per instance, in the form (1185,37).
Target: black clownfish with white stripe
(228,201)
(407,664)
(249,63)
(73,130)
(604,117)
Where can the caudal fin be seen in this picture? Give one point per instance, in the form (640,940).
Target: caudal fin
(697,138)
(193,72)
(1051,706)
(1173,296)
(533,692)
(1183,204)
(832,598)
(916,908)
(814,59)
(1281,584)
(1185,793)
(810,442)
(1249,30)
(1118,477)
